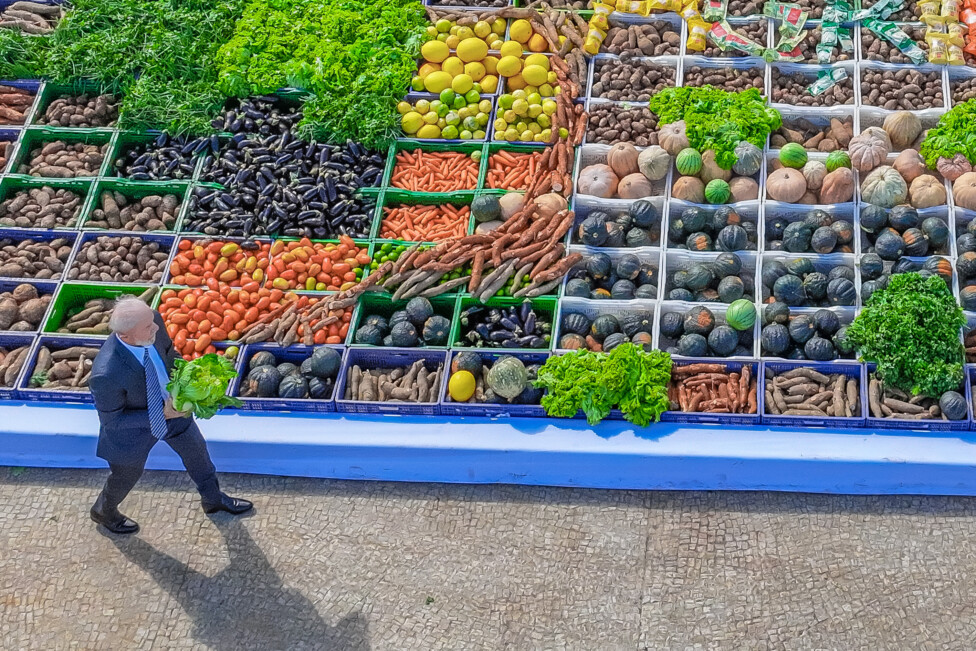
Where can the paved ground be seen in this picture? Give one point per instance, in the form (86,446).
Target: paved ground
(349,565)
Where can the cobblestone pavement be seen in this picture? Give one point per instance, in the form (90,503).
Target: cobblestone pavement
(355,565)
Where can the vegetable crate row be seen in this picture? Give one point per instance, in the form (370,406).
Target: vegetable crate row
(404,381)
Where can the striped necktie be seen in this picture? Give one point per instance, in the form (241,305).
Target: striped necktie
(154,399)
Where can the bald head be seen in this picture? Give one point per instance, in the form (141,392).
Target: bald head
(132,321)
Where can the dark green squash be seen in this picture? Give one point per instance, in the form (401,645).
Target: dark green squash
(789,290)
(844,231)
(937,231)
(635,322)
(819,349)
(698,277)
(263,382)
(731,289)
(647,292)
(622,290)
(967,298)
(624,221)
(722,340)
(699,320)
(613,340)
(325,362)
(873,218)
(903,217)
(418,310)
(823,240)
(802,328)
(672,325)
(889,246)
(320,388)
(966,265)
(647,275)
(368,335)
(398,317)
(599,266)
(868,288)
(827,322)
(486,208)
(637,237)
(693,345)
(262,358)
(775,339)
(872,266)
(603,326)
(642,339)
(818,218)
(775,228)
(725,216)
(800,266)
(628,266)
(776,313)
(680,294)
(971,226)
(815,286)
(507,377)
(841,271)
(576,323)
(905,266)
(600,294)
(915,243)
(841,291)
(965,243)
(940,267)
(436,330)
(643,214)
(841,343)
(732,238)
(293,387)
(404,335)
(578,287)
(953,405)
(379,321)
(593,230)
(680,279)
(728,264)
(572,341)
(693,219)
(796,237)
(699,242)
(615,236)
(708,295)
(795,353)
(467,361)
(772,270)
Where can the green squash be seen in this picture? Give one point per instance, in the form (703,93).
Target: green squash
(436,330)
(324,362)
(419,310)
(507,377)
(293,387)
(748,159)
(486,208)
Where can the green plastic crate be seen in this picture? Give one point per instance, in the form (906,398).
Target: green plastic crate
(515,148)
(392,198)
(71,297)
(381,304)
(433,146)
(545,308)
(137,190)
(35,137)
(11,185)
(127,139)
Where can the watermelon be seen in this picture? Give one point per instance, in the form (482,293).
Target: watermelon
(793,155)
(836,160)
(741,314)
(688,162)
(717,191)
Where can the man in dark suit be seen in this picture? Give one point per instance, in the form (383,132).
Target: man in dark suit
(128,382)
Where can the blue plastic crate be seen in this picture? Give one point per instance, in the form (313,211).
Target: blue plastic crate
(19,235)
(921,425)
(371,358)
(701,418)
(485,409)
(10,341)
(167,242)
(44,288)
(295,355)
(853,370)
(54,343)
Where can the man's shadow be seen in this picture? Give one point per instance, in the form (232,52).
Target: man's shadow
(245,605)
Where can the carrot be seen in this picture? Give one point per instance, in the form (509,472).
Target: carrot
(424,223)
(512,170)
(425,171)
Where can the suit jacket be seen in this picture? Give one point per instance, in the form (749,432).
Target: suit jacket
(118,385)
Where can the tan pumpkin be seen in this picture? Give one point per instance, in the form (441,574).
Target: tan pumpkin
(902,128)
(673,138)
(511,203)
(910,165)
(884,187)
(710,169)
(786,184)
(549,204)
(808,198)
(953,168)
(743,189)
(869,149)
(599,181)
(689,188)
(622,158)
(926,191)
(654,163)
(964,191)
(634,186)
(814,172)
(838,186)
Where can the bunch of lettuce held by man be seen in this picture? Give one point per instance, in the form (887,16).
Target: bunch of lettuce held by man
(201,385)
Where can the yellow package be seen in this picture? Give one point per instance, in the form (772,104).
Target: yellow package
(593,41)
(938,52)
(956,34)
(633,7)
(599,22)
(951,8)
(929,7)
(697,32)
(955,57)
(664,5)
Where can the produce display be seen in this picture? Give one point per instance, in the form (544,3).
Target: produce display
(729,214)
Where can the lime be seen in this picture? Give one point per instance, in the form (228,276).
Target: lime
(443,37)
(535,111)
(465,112)
(544,121)
(535,128)
(482,119)
(442,110)
(505,101)
(498,135)
(431,31)
(549,106)
(453,118)
(546,90)
(476,156)
(472,96)
(484,106)
(477,88)
(465,135)
(526,136)
(563,132)
(519,94)
(460,102)
(417,83)
(447,96)
(422,106)
(470,123)
(449,132)
(520,106)
(443,25)
(511,134)
(386,247)
(441,123)
(461,84)
(231,352)
(510,116)
(534,98)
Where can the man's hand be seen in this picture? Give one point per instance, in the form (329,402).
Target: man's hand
(170,412)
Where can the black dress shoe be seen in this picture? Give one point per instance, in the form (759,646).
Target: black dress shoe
(120,524)
(232,505)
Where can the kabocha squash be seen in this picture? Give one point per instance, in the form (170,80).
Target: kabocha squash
(902,128)
(732,238)
(838,186)
(622,290)
(293,387)
(844,231)
(802,328)
(603,326)
(643,214)
(884,187)
(953,168)
(261,358)
(836,160)
(728,264)
(699,320)
(572,341)
(730,289)
(827,322)
(793,155)
(786,184)
(418,310)
(789,289)
(915,243)
(872,266)
(576,323)
(869,149)
(723,340)
(936,230)
(693,345)
(772,270)
(741,314)
(743,189)
(319,388)
(814,172)
(672,137)
(797,237)
(688,162)
(263,382)
(628,266)
(634,186)
(404,335)
(692,219)
(593,230)
(717,191)
(634,323)
(910,165)
(939,266)
(622,159)
(776,312)
(748,159)
(841,291)
(287,368)
(689,188)
(815,286)
(486,208)
(613,341)
(926,191)
(637,237)
(369,335)
(824,240)
(699,242)
(436,330)
(578,288)
(599,266)
(964,191)
(819,349)
(507,377)
(698,277)
(598,181)
(873,219)
(774,339)
(967,298)
(953,405)
(654,163)
(672,325)
(324,362)
(466,361)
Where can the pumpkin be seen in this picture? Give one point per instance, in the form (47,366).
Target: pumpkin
(786,184)
(593,230)
(741,314)
(507,377)
(325,362)
(827,322)
(576,323)
(743,189)
(293,387)
(793,155)
(902,218)
(964,191)
(654,163)
(836,160)
(841,291)
(728,264)
(549,204)
(732,238)
(623,290)
(926,191)
(672,325)
(748,159)
(844,231)
(436,330)
(637,322)
(643,214)
(689,188)
(824,240)
(910,165)
(775,339)
(717,191)
(889,245)
(802,328)
(622,159)
(776,312)
(699,242)
(731,289)
(936,230)
(808,198)
(598,181)
(404,335)
(814,172)
(940,266)
(604,326)
(263,381)
(634,186)
(699,320)
(902,128)
(710,170)
(953,168)
(915,243)
(723,340)
(819,349)
(884,187)
(320,389)
(578,288)
(789,289)
(693,345)
(262,358)
(510,203)
(868,150)
(639,237)
(688,162)
(953,405)
(672,137)
(572,341)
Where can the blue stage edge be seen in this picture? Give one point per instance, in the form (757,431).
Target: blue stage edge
(545,452)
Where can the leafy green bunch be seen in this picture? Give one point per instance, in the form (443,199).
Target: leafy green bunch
(954,134)
(355,57)
(627,376)
(717,119)
(201,385)
(910,330)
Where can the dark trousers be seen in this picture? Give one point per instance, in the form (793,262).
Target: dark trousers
(191,447)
